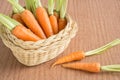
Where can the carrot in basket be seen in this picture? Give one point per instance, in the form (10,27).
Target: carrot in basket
(29,20)
(16,15)
(53,19)
(42,17)
(92,67)
(62,21)
(81,54)
(18,29)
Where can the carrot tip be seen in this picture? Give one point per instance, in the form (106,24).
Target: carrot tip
(53,65)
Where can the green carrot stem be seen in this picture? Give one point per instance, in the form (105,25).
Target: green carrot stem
(51,4)
(103,48)
(17,6)
(14,9)
(12,20)
(35,4)
(28,4)
(63,9)
(58,5)
(114,68)
(8,22)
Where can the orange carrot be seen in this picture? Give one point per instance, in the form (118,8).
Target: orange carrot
(54,23)
(25,34)
(44,21)
(80,54)
(17,29)
(62,22)
(29,20)
(70,57)
(57,15)
(53,19)
(17,17)
(90,67)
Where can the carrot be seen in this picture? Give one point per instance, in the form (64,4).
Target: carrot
(70,57)
(53,19)
(57,15)
(81,54)
(29,20)
(42,17)
(92,67)
(16,14)
(18,18)
(62,21)
(17,29)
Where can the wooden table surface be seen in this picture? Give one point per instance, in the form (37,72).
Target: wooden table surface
(98,22)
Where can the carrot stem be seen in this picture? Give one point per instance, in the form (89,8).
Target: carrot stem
(6,21)
(103,48)
(35,4)
(114,68)
(17,6)
(63,9)
(14,9)
(58,5)
(28,4)
(51,4)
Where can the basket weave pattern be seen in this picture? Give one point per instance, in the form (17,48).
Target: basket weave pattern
(33,53)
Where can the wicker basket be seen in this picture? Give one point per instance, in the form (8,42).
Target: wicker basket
(33,53)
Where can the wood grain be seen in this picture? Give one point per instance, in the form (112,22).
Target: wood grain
(98,22)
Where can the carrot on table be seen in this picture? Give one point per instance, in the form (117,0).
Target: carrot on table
(92,67)
(53,19)
(81,54)
(18,29)
(29,20)
(62,20)
(42,17)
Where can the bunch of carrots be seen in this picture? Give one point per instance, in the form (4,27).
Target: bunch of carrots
(90,67)
(34,22)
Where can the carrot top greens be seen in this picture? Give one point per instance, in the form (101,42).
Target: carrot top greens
(14,9)
(51,4)
(8,22)
(63,8)
(58,5)
(103,48)
(114,68)
(18,7)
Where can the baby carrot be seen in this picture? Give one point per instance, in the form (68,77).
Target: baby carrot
(62,21)
(42,17)
(18,18)
(81,54)
(16,14)
(53,19)
(92,67)
(29,20)
(17,29)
